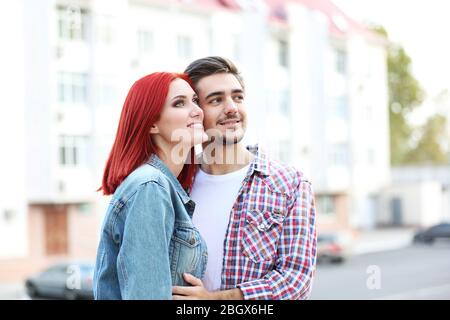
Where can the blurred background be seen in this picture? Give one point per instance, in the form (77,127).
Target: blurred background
(356,94)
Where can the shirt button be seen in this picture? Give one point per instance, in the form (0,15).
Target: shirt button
(261,227)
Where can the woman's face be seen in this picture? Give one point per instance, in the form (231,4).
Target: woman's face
(181,120)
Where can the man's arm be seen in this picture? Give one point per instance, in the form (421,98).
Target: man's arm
(295,266)
(232,294)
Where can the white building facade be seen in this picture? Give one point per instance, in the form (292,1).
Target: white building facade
(316,98)
(337,113)
(13,209)
(419,196)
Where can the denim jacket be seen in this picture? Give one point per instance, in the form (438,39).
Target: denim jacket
(148,239)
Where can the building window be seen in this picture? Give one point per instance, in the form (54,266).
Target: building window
(369,113)
(104,30)
(72,87)
(84,208)
(283,53)
(72,151)
(284,103)
(9,215)
(371,156)
(341,61)
(339,108)
(285,150)
(71,23)
(145,42)
(106,91)
(339,154)
(184,47)
(325,205)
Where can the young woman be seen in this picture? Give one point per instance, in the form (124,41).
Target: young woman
(148,239)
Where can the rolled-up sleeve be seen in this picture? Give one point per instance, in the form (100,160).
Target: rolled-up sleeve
(292,276)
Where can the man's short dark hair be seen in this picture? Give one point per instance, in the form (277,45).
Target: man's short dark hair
(212,65)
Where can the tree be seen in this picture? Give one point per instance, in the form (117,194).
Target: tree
(430,147)
(405,95)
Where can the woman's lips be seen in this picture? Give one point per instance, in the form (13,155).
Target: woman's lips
(196,125)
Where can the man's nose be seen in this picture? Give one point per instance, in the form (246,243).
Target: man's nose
(230,106)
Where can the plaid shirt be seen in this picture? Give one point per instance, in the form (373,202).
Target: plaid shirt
(270,243)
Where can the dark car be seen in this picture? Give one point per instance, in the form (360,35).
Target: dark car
(332,247)
(68,280)
(440,231)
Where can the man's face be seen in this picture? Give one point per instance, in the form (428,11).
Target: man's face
(221,98)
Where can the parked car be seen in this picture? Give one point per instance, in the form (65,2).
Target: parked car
(428,236)
(332,247)
(67,280)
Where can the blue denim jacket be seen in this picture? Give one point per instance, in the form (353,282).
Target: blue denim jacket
(148,239)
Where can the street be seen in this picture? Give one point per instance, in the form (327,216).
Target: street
(415,272)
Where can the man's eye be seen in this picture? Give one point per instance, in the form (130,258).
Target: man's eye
(215,101)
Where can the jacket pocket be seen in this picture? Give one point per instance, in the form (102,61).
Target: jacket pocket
(187,254)
(261,233)
(187,236)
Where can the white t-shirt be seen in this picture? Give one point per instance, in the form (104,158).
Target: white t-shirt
(214,196)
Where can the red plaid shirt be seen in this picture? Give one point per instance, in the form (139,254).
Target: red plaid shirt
(270,243)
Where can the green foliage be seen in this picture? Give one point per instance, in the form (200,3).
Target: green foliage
(405,95)
(429,149)
(404,89)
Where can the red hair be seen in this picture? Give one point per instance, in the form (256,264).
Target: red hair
(133,145)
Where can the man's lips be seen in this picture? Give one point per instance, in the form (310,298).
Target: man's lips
(229,121)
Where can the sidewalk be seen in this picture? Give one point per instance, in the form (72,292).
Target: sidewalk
(379,240)
(12,291)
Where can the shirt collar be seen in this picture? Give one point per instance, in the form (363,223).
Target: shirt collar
(260,163)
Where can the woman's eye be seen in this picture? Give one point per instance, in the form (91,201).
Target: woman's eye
(179,103)
(239,98)
(195,100)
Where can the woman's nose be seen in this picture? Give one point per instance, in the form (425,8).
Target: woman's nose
(196,111)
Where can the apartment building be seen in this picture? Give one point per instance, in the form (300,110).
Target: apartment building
(316,98)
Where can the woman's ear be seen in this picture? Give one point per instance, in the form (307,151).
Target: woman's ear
(154,129)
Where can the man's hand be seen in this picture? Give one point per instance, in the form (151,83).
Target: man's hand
(198,291)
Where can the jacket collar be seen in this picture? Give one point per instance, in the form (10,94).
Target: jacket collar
(156,162)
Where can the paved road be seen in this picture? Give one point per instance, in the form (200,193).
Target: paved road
(415,272)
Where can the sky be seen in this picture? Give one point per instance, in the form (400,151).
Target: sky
(422,27)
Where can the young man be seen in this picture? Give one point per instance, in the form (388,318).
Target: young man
(256,215)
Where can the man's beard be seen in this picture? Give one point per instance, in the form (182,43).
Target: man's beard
(237,135)
(227,139)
